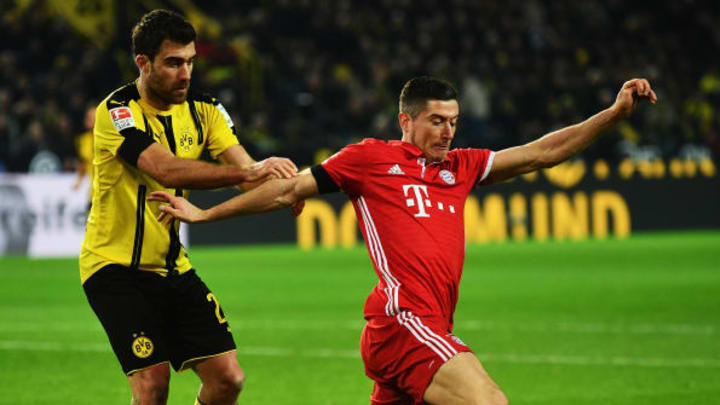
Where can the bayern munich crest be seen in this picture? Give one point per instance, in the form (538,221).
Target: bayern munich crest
(447,176)
(457,340)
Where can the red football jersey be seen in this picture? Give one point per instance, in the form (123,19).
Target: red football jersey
(410,212)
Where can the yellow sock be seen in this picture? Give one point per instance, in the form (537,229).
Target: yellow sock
(197,402)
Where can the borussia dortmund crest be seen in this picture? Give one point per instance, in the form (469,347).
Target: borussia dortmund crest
(186,140)
(142,346)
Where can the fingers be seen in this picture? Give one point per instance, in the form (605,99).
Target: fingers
(290,165)
(280,167)
(653,96)
(641,88)
(283,168)
(281,172)
(162,196)
(167,214)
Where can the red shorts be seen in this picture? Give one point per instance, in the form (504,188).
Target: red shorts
(402,354)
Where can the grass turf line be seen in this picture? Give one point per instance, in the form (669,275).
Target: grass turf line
(594,322)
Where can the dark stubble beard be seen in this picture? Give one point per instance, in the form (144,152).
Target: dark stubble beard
(165,96)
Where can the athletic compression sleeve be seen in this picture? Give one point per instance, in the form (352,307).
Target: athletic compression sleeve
(135,142)
(324,181)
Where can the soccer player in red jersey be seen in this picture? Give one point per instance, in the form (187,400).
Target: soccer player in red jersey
(409,197)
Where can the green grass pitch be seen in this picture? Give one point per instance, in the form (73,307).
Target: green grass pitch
(632,321)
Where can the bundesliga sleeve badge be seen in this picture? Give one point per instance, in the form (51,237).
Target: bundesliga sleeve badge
(122,118)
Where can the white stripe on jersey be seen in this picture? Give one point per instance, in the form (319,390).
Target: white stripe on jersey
(488,166)
(426,336)
(375,258)
(378,254)
(442,355)
(375,254)
(446,346)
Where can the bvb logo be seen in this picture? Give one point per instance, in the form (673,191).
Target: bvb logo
(186,140)
(142,346)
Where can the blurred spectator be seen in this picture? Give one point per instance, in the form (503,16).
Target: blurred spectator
(311,74)
(84,148)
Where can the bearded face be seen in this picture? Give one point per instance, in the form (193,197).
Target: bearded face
(168,75)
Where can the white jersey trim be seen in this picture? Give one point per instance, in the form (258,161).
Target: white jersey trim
(377,254)
(426,336)
(488,166)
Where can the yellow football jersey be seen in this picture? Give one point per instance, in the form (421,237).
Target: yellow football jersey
(84,149)
(122,226)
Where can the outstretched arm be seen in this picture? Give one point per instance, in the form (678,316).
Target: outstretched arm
(238,156)
(172,171)
(270,196)
(560,145)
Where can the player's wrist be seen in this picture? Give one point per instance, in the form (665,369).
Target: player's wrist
(204,216)
(616,113)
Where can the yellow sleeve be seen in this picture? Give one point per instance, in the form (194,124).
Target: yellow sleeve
(220,129)
(113,126)
(84,146)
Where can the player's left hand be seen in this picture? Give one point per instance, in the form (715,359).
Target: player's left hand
(281,168)
(178,207)
(630,94)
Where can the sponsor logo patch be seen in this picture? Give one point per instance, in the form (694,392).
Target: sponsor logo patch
(447,176)
(396,170)
(122,118)
(142,346)
(226,115)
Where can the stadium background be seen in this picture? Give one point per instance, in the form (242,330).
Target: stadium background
(618,315)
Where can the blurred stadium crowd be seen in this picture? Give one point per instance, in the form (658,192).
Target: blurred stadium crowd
(302,78)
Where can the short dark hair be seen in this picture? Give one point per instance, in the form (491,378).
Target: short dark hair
(417,91)
(157,26)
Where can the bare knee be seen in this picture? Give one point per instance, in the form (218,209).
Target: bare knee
(228,383)
(233,382)
(151,386)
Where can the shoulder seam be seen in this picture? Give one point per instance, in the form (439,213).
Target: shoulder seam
(123,96)
(203,98)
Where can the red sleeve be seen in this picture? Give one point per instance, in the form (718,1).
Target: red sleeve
(478,163)
(347,168)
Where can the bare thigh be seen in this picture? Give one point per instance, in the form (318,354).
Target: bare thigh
(218,368)
(462,380)
(150,385)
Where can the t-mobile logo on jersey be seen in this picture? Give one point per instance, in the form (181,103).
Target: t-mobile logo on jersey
(421,200)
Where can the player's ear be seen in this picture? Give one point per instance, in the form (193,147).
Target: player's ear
(143,63)
(405,122)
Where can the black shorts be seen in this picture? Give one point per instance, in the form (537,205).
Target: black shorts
(151,319)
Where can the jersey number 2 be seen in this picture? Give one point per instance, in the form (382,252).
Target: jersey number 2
(211,298)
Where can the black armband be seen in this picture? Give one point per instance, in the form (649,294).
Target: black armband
(135,142)
(325,183)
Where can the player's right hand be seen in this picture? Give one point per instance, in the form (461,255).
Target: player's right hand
(280,168)
(631,92)
(178,207)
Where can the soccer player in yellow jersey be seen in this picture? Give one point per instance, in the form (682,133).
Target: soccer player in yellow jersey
(148,136)
(84,149)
